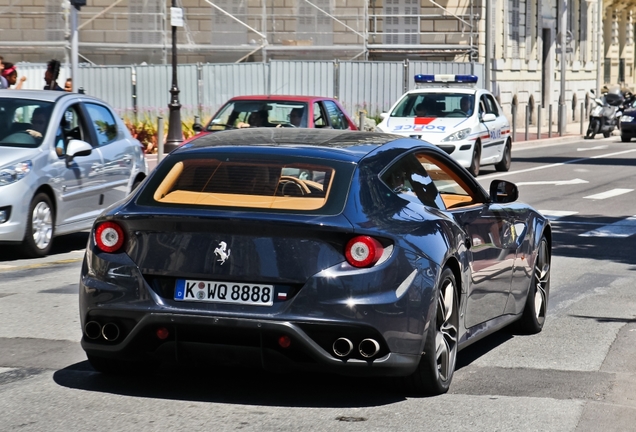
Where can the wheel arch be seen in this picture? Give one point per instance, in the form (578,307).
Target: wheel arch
(48,190)
(453,264)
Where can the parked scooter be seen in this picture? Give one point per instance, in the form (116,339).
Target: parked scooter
(605,116)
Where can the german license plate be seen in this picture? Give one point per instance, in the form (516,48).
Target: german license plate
(224,292)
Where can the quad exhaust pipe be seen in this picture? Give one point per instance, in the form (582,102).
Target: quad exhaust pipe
(109,331)
(93,330)
(368,348)
(342,347)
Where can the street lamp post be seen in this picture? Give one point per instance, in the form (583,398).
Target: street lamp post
(75,7)
(563,42)
(175,132)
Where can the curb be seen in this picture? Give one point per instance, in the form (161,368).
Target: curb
(546,141)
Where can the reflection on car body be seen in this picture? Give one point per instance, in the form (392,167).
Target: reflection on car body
(343,251)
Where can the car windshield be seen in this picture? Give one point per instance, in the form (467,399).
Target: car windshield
(259,113)
(435,105)
(23,122)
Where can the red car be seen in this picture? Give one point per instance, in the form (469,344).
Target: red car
(279,111)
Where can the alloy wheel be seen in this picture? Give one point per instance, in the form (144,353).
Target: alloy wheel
(542,279)
(446,337)
(42,225)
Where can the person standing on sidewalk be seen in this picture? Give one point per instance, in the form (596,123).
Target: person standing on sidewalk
(51,75)
(10,73)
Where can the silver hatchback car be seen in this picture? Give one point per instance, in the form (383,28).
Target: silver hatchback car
(64,157)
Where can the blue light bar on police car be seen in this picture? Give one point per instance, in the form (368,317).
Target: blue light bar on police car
(445,78)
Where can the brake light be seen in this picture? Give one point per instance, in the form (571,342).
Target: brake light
(109,237)
(363,251)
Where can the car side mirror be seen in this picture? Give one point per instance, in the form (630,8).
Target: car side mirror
(77,148)
(488,117)
(502,191)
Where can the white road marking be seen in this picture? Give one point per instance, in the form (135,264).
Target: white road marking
(554,182)
(5,266)
(609,194)
(622,228)
(3,369)
(555,214)
(601,147)
(537,168)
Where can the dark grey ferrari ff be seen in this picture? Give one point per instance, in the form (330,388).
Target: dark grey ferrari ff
(341,251)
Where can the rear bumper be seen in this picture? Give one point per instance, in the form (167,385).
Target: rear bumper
(205,340)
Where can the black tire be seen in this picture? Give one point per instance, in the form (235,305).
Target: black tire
(534,313)
(38,238)
(437,364)
(506,160)
(592,129)
(625,138)
(607,134)
(475,162)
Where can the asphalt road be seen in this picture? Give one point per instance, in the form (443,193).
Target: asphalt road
(579,374)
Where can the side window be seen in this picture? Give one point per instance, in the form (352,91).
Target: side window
(408,178)
(336,116)
(104,123)
(482,106)
(491,105)
(70,128)
(453,189)
(320,120)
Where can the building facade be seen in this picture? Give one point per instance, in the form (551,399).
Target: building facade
(523,36)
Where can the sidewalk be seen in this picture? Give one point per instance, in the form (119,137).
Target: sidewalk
(572,131)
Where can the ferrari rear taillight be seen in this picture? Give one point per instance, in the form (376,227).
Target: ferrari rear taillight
(363,251)
(109,237)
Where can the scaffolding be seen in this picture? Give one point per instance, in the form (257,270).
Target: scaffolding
(136,31)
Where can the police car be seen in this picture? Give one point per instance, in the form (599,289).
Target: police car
(452,113)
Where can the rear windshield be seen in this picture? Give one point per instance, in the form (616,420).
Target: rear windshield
(23,122)
(258,113)
(287,184)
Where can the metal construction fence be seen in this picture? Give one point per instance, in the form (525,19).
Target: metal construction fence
(143,90)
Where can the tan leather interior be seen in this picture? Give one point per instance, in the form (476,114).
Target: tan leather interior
(239,200)
(169,181)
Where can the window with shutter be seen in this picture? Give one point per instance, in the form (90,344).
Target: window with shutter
(401,22)
(54,20)
(313,23)
(514,28)
(228,31)
(145,21)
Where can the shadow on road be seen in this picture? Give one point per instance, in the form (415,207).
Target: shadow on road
(61,245)
(484,346)
(547,160)
(238,386)
(568,241)
(247,386)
